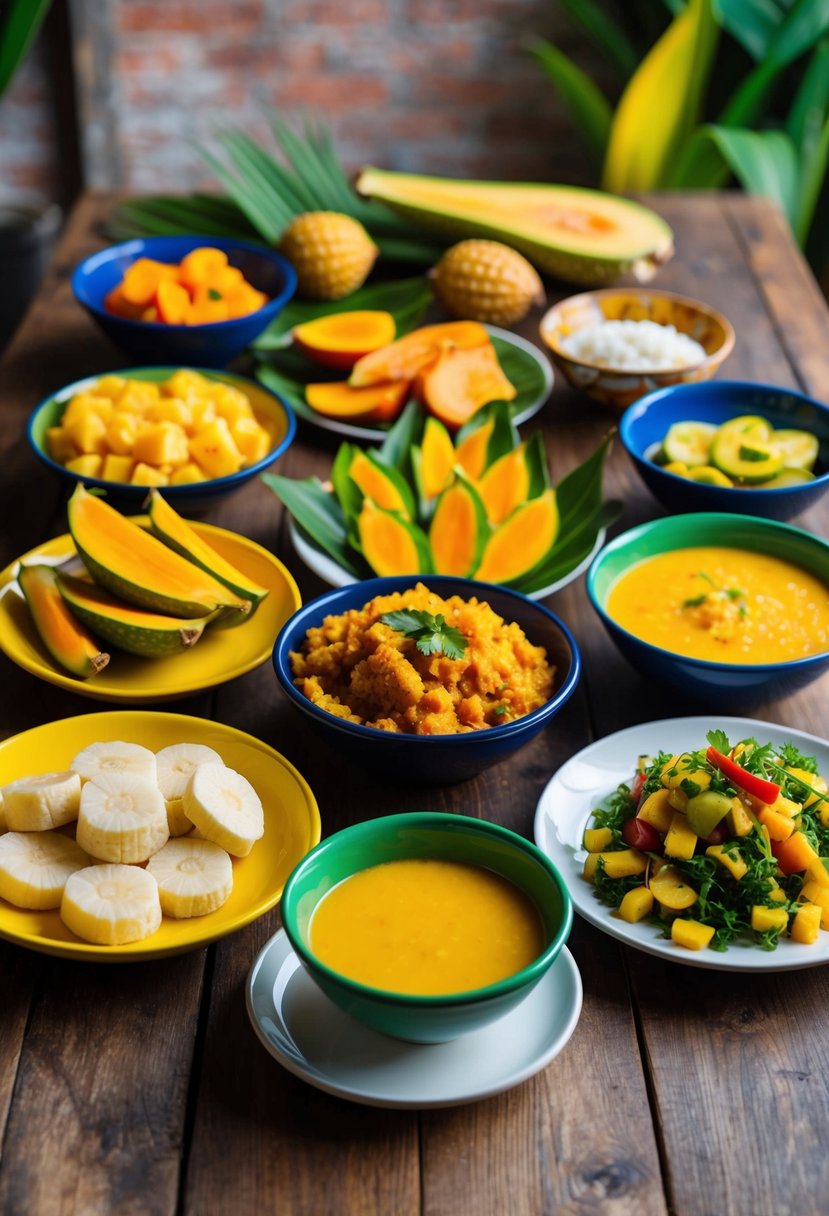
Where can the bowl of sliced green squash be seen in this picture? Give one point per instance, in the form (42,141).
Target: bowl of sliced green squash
(723,445)
(480,504)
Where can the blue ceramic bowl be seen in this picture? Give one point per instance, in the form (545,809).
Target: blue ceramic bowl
(431,759)
(212,345)
(717,683)
(457,838)
(645,424)
(275,414)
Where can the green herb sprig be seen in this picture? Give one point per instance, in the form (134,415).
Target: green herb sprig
(431,634)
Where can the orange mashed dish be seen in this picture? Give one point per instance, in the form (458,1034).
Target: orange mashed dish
(362,670)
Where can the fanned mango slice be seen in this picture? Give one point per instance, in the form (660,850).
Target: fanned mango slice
(520,543)
(460,382)
(405,358)
(384,485)
(459,530)
(505,485)
(437,458)
(66,639)
(392,544)
(471,452)
(377,403)
(342,338)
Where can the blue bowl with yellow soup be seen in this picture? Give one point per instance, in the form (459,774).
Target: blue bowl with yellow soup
(429,758)
(399,921)
(719,607)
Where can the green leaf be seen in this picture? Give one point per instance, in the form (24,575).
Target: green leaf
(406,299)
(431,634)
(535,457)
(752,23)
(504,435)
(570,550)
(604,33)
(318,513)
(580,492)
(764,162)
(661,104)
(587,104)
(18,30)
(173,216)
(349,495)
(814,160)
(811,102)
(405,433)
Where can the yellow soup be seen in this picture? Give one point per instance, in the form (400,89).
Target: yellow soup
(426,927)
(724,605)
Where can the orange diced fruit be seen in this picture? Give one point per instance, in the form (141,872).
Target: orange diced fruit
(59,445)
(227,279)
(763,919)
(201,265)
(252,440)
(117,468)
(121,432)
(186,474)
(173,302)
(208,307)
(806,924)
(141,280)
(115,303)
(161,443)
(214,450)
(88,433)
(88,465)
(245,299)
(816,894)
(691,934)
(146,475)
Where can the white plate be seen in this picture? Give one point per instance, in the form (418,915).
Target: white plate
(373,434)
(335,575)
(316,1041)
(586,780)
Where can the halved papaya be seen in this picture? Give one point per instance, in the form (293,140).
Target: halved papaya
(341,338)
(66,639)
(390,543)
(405,358)
(384,485)
(459,530)
(460,381)
(377,403)
(521,541)
(505,485)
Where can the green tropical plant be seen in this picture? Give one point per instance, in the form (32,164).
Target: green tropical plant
(18,29)
(675,126)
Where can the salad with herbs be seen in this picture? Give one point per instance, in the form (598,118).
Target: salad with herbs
(727,843)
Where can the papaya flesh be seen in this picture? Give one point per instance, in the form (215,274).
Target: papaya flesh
(405,358)
(382,484)
(458,530)
(390,543)
(340,339)
(148,634)
(505,485)
(137,567)
(66,639)
(471,452)
(460,382)
(177,534)
(583,236)
(521,541)
(376,403)
(437,458)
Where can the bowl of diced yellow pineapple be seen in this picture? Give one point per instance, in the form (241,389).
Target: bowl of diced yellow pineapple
(198,433)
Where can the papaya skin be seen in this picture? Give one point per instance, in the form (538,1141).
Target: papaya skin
(340,339)
(69,643)
(405,358)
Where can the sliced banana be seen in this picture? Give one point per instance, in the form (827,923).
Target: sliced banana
(194,877)
(175,767)
(36,804)
(122,818)
(111,904)
(103,758)
(34,867)
(225,808)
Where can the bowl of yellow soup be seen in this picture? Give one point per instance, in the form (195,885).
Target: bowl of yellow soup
(717,606)
(426,926)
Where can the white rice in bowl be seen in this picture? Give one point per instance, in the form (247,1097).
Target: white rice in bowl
(642,346)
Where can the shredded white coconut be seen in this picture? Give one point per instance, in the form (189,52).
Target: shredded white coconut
(642,346)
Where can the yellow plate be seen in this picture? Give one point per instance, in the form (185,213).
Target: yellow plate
(218,656)
(292,827)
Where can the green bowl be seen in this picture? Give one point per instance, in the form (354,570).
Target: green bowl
(716,683)
(458,838)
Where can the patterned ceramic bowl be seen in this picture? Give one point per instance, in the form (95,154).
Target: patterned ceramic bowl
(619,389)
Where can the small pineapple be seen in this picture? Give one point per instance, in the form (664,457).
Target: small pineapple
(480,280)
(331,253)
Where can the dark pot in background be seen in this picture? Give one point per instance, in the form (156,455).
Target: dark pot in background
(27,236)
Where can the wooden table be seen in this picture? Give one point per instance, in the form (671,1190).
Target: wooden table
(142,1089)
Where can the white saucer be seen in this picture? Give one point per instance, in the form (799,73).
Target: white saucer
(313,1039)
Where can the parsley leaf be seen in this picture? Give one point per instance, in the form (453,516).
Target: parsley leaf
(431,634)
(719,740)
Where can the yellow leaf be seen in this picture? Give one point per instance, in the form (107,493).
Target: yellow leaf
(660,106)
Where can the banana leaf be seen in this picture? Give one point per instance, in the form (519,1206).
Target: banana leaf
(176,216)
(588,106)
(406,299)
(570,550)
(661,104)
(318,514)
(764,162)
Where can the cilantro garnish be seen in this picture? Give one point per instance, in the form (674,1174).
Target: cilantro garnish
(431,634)
(213,294)
(719,739)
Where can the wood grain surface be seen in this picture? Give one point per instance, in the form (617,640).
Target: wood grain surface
(141,1088)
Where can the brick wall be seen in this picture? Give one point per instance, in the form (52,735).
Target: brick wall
(429,85)
(28,164)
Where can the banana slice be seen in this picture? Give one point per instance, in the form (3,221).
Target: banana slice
(36,804)
(122,818)
(194,877)
(103,758)
(111,904)
(175,767)
(225,808)
(34,867)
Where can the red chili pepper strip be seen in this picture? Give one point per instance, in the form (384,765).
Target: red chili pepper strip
(756,787)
